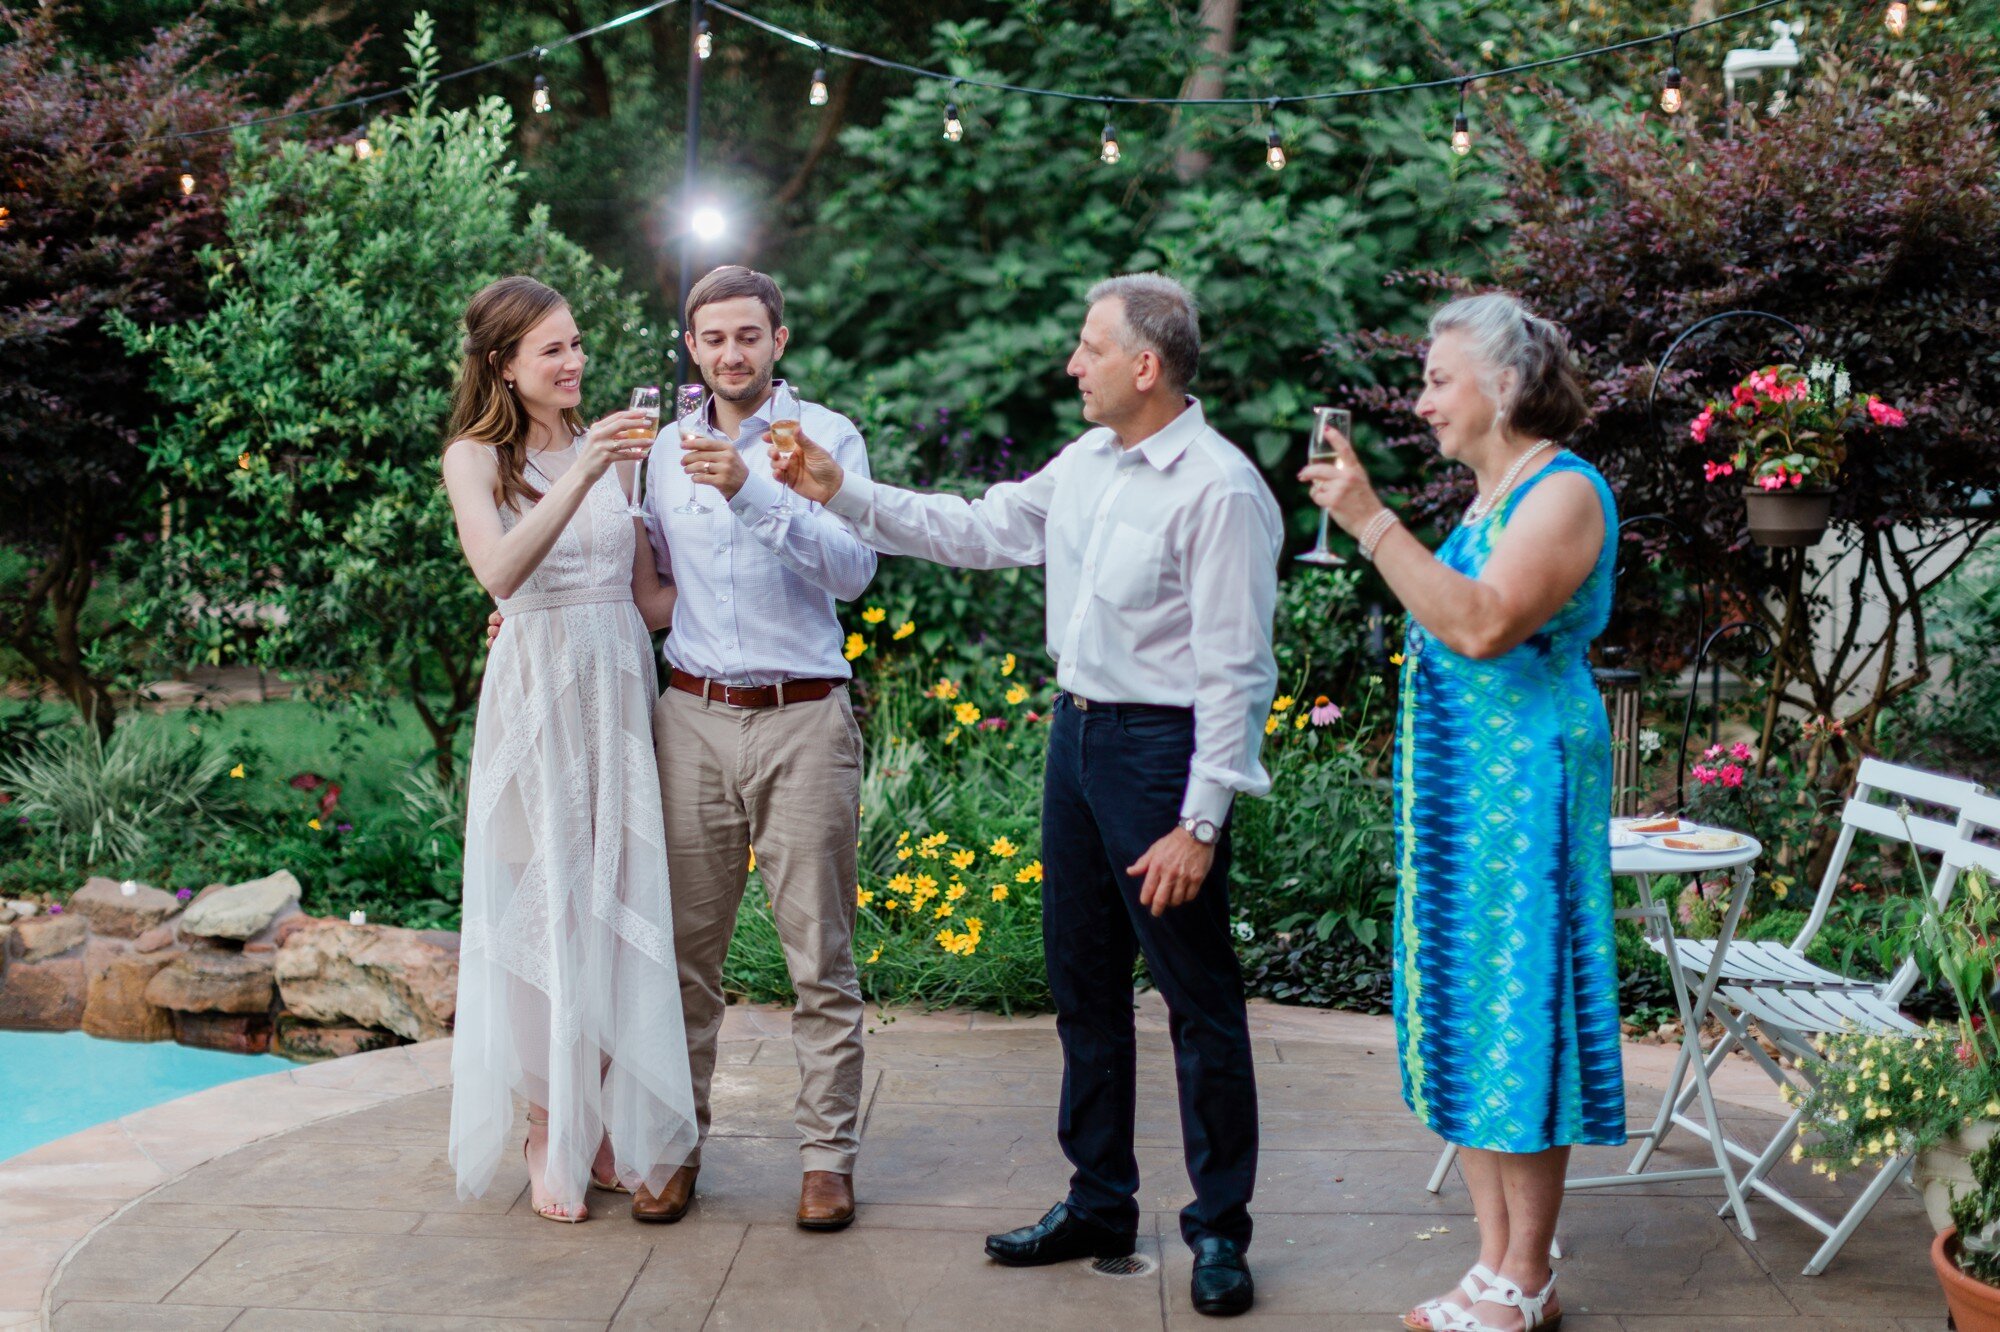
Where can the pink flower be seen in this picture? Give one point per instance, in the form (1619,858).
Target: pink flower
(1798,479)
(1325,711)
(1881,413)
(1710,470)
(1712,752)
(1744,395)
(993,724)
(1705,775)
(1967,1056)
(1771,483)
(1699,427)
(1741,752)
(1731,775)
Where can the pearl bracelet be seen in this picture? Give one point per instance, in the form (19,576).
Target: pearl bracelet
(1371,535)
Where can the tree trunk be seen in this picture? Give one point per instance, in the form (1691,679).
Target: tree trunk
(596,81)
(1219,17)
(59,590)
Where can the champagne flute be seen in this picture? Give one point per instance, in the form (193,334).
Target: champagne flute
(689,399)
(784,434)
(1319,449)
(645,398)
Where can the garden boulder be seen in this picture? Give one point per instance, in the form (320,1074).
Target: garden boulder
(43,996)
(243,910)
(210,981)
(115,1003)
(45,937)
(309,1041)
(373,975)
(238,1033)
(112,911)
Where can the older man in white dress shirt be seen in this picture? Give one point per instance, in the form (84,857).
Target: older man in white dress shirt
(1161,542)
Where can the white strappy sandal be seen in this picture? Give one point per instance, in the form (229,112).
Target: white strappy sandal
(1435,1312)
(1502,1291)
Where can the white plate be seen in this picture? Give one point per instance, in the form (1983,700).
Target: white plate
(1624,837)
(1659,842)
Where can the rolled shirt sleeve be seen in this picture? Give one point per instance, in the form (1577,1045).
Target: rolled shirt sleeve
(817,545)
(1231,576)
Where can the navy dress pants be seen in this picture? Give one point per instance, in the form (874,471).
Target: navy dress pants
(1116,775)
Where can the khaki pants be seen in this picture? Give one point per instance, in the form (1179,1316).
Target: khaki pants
(788,781)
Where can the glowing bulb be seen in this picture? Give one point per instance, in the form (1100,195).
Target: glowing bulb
(1274,152)
(954,129)
(1461,135)
(708,224)
(540,100)
(6,219)
(1670,93)
(187,180)
(1109,153)
(1897,18)
(363,150)
(817,97)
(704,41)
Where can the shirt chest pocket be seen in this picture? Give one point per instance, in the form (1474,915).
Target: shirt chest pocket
(1132,568)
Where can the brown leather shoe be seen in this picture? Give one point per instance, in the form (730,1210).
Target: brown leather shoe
(671,1203)
(826,1201)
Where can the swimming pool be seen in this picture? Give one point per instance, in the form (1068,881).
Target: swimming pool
(54,1083)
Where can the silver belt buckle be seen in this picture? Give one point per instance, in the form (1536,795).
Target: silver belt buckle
(1082,704)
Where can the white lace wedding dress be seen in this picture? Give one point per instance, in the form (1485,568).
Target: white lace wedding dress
(567,990)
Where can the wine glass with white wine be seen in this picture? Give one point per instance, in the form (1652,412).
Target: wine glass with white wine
(785,435)
(1320,449)
(689,399)
(645,398)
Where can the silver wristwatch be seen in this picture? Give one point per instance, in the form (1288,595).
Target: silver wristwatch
(1201,830)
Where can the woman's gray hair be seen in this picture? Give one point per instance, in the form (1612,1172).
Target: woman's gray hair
(1548,397)
(1162,316)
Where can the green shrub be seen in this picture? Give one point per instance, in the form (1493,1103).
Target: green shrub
(96,800)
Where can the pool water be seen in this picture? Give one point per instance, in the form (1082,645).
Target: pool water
(55,1083)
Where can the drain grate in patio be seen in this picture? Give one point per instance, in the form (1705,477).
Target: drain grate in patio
(1131,1265)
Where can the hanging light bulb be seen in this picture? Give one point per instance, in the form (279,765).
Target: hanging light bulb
(704,41)
(1670,91)
(187,180)
(1461,128)
(954,128)
(1896,18)
(363,150)
(6,219)
(817,97)
(1108,154)
(540,100)
(1274,147)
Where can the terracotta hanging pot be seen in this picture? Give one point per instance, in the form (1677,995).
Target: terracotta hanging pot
(1788,517)
(1974,1305)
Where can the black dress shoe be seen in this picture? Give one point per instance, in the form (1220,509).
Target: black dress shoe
(1221,1284)
(1058,1237)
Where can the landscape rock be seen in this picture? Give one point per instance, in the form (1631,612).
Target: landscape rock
(209,981)
(312,1041)
(153,940)
(115,1003)
(369,975)
(243,910)
(8,915)
(238,1033)
(104,904)
(43,996)
(49,936)
(23,910)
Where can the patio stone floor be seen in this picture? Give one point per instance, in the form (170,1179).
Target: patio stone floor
(321,1199)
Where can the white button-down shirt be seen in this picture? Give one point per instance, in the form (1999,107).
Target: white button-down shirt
(757,590)
(1162,578)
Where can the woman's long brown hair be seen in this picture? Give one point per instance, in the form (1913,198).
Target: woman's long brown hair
(483,408)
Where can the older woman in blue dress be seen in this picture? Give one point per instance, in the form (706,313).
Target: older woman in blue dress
(1506,982)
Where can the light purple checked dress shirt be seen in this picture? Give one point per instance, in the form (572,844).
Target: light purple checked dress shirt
(757,590)
(1162,578)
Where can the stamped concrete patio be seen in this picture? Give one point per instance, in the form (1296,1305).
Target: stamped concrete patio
(350,1220)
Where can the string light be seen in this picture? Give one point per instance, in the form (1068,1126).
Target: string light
(363,150)
(1274,147)
(1108,154)
(6,218)
(954,128)
(817,97)
(539,99)
(1896,18)
(1461,128)
(187,181)
(704,41)
(1670,91)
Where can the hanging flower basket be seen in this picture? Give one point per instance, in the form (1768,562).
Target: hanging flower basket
(1787,429)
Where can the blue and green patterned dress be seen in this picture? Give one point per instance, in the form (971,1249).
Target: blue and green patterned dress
(1506,986)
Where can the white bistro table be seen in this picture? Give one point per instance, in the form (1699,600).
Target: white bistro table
(1693,994)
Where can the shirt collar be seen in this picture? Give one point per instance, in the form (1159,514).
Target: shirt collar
(1164,447)
(781,404)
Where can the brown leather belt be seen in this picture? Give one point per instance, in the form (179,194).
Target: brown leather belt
(753,696)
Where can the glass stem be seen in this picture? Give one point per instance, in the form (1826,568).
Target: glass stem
(1320,546)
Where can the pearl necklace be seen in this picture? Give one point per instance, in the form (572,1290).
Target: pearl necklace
(1480,508)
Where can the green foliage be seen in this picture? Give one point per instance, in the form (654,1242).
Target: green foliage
(1976,1214)
(1955,726)
(311,534)
(97,800)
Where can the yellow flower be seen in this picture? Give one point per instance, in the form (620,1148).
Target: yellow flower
(874,615)
(1283,703)
(1002,848)
(876,954)
(1395,659)
(944,911)
(935,839)
(1798,1152)
(900,884)
(892,905)
(999,892)
(956,891)
(1779,889)
(856,645)
(928,852)
(1017,695)
(862,897)
(313,824)
(966,713)
(904,853)
(962,859)
(1007,664)
(945,688)
(243,461)
(236,771)
(926,884)
(975,924)
(1270,723)
(1029,873)
(753,860)
(902,837)
(1299,722)
(904,630)
(1992,1107)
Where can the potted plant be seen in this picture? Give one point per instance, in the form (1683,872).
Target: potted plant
(1784,428)
(1966,1256)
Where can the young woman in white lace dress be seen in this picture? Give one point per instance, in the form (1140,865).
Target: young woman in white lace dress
(567,993)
